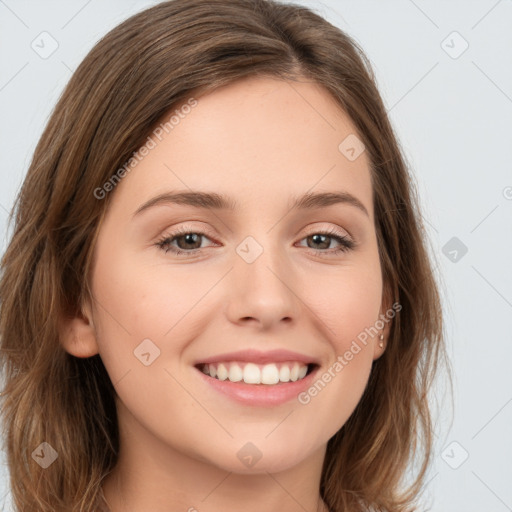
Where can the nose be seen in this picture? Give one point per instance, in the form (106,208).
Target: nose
(263,291)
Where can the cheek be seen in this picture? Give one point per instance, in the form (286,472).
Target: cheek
(140,299)
(131,306)
(358,311)
(348,312)
(347,301)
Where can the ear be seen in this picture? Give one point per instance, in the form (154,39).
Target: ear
(386,319)
(77,333)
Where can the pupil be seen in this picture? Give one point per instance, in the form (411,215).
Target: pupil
(189,238)
(315,239)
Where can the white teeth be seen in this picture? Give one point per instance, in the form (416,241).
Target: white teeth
(250,373)
(222,372)
(270,374)
(284,373)
(235,373)
(294,374)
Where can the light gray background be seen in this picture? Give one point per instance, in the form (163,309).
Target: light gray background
(453,116)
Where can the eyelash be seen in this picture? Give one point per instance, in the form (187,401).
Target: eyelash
(167,239)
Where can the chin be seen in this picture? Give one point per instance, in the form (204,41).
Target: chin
(258,457)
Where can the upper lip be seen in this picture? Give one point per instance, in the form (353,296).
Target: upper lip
(258,357)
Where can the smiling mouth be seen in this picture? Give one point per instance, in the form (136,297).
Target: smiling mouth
(263,374)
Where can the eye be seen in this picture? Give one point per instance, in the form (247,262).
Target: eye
(324,239)
(188,242)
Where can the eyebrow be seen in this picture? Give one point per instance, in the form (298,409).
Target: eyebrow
(214,201)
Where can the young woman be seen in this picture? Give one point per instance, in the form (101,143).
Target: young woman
(218,294)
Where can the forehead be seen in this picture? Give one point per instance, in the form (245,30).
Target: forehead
(257,139)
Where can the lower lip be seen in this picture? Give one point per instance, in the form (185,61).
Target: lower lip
(260,395)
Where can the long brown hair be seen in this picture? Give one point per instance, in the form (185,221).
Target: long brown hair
(138,72)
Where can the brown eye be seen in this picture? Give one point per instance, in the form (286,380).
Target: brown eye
(323,240)
(188,240)
(320,241)
(182,241)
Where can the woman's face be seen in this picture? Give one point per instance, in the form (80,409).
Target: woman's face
(257,288)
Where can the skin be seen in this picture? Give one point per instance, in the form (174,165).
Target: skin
(260,141)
